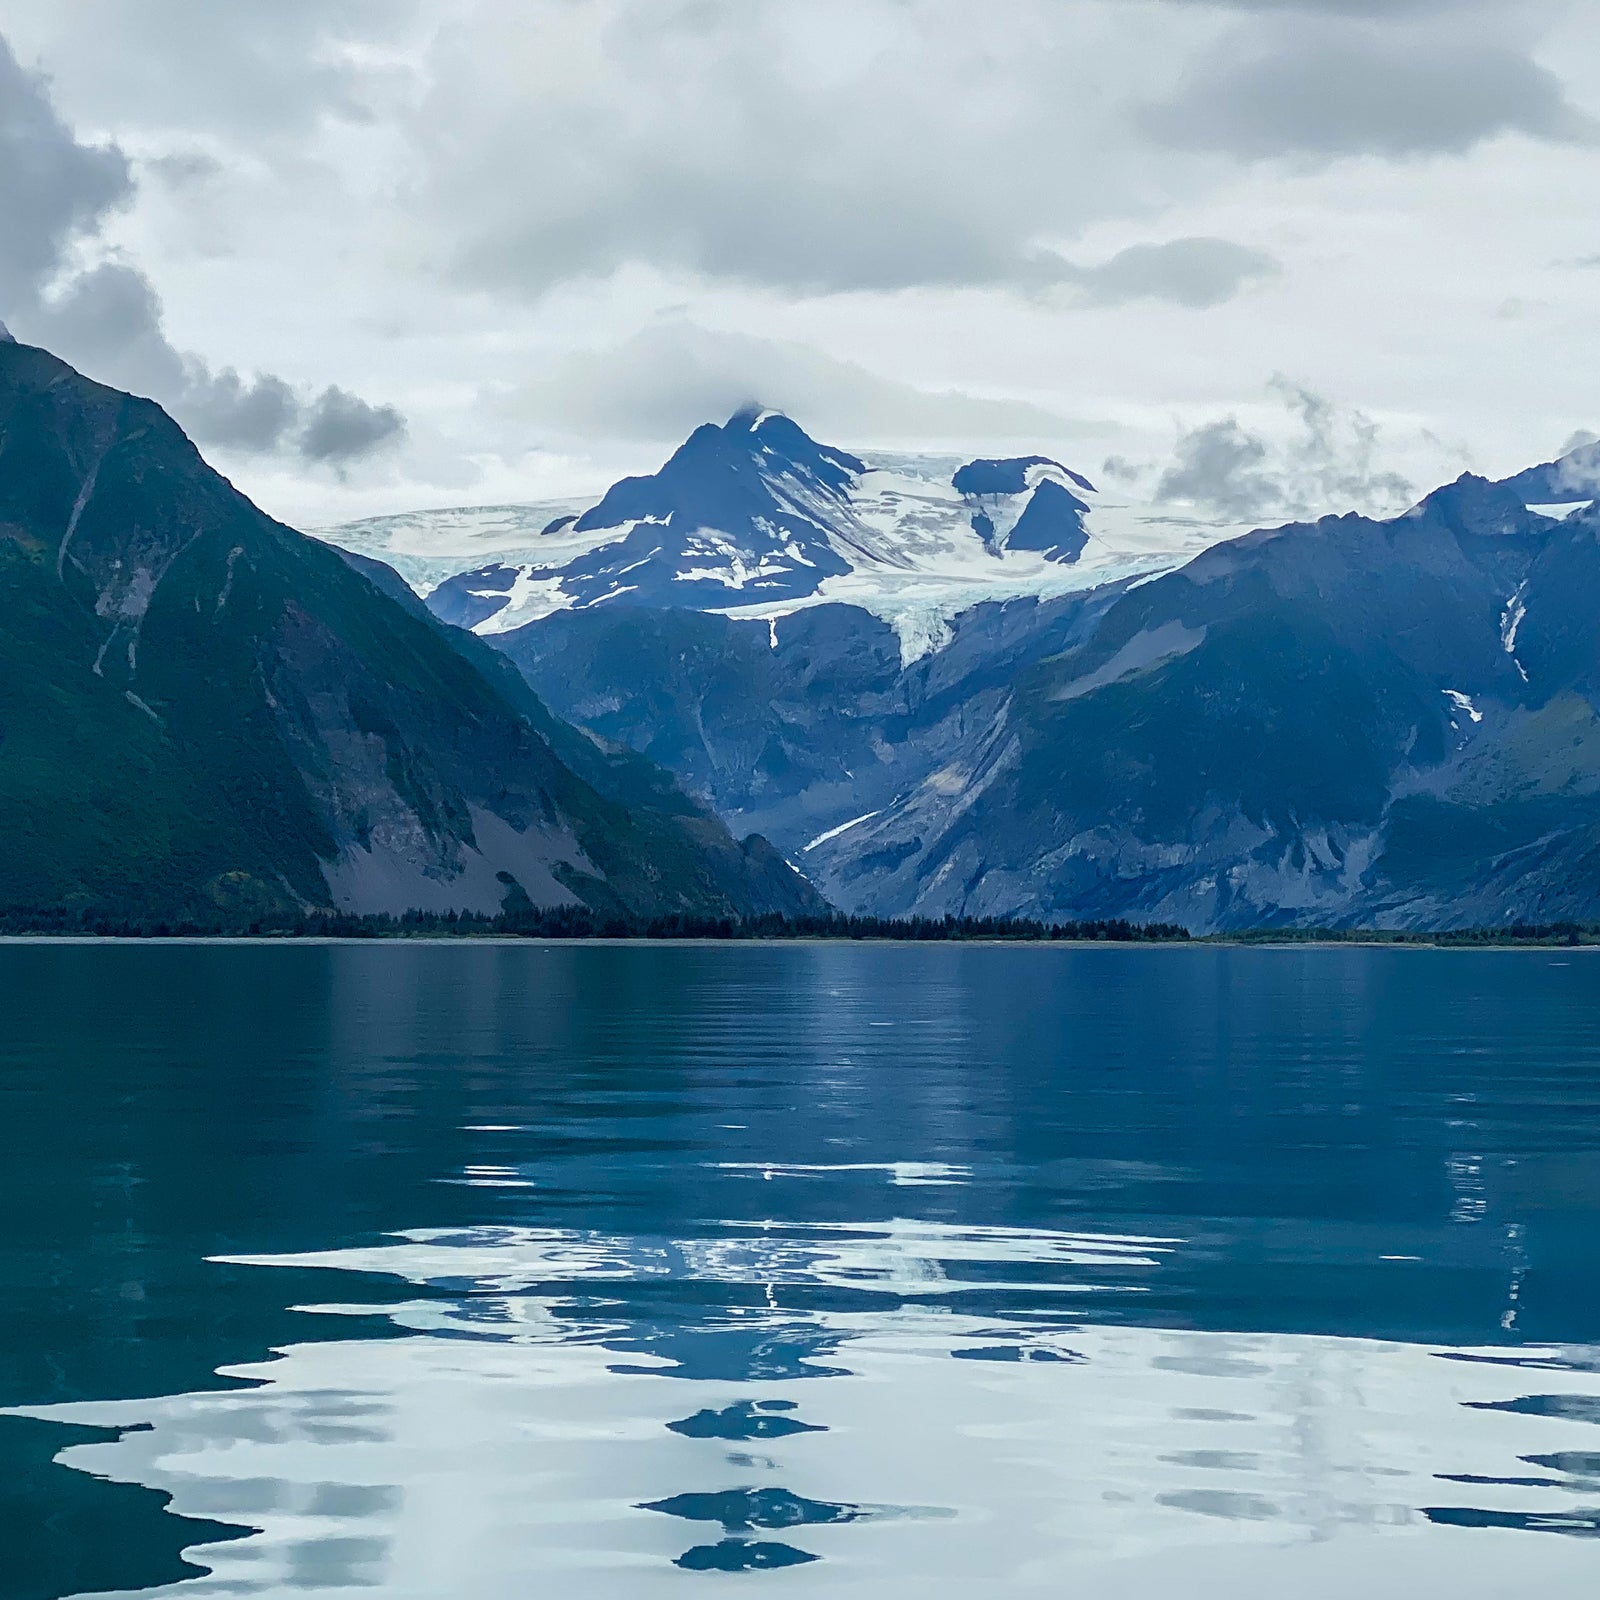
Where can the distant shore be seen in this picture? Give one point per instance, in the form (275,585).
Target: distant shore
(1320,940)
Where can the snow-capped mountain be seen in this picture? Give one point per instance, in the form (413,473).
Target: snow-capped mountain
(978,686)
(1362,721)
(754,519)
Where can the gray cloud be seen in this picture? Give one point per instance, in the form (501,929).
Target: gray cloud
(876,147)
(341,426)
(1219,467)
(814,149)
(674,375)
(1328,462)
(55,194)
(52,188)
(183,168)
(226,409)
(250,67)
(108,320)
(1195,272)
(1328,91)
(1578,465)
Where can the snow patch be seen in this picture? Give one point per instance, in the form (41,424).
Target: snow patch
(533,594)
(1463,702)
(1511,620)
(844,827)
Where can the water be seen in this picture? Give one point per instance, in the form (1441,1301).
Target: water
(492,1271)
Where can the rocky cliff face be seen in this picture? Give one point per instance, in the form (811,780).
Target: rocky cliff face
(200,707)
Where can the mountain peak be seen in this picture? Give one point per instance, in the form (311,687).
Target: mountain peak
(777,436)
(6,335)
(751,418)
(1474,504)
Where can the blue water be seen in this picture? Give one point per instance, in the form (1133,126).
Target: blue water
(482,1271)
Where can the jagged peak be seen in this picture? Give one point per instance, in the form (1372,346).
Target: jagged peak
(6,335)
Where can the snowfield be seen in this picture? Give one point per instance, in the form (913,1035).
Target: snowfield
(906,535)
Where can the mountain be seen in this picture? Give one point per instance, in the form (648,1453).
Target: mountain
(202,710)
(1558,487)
(1347,722)
(799,724)
(754,518)
(1018,698)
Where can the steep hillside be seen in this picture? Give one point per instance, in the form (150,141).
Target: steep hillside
(202,708)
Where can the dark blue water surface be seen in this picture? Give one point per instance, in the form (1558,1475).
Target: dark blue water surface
(480,1270)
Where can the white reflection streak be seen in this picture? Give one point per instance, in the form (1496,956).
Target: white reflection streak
(900,1256)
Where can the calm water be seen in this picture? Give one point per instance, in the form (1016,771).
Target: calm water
(485,1271)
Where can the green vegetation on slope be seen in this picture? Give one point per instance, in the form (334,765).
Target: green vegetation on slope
(205,714)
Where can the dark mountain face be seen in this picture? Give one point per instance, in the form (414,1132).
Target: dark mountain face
(750,504)
(1035,496)
(795,726)
(1344,722)
(1328,723)
(201,708)
(1051,523)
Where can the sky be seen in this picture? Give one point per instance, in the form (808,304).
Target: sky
(1264,258)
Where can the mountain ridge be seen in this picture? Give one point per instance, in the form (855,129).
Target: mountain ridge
(1389,721)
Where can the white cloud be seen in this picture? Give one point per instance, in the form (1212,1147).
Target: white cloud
(670,377)
(840,145)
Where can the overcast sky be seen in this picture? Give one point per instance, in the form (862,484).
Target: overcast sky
(379,254)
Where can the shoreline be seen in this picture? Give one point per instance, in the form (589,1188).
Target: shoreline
(542,942)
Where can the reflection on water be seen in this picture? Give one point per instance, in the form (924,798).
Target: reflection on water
(608,1409)
(590,1271)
